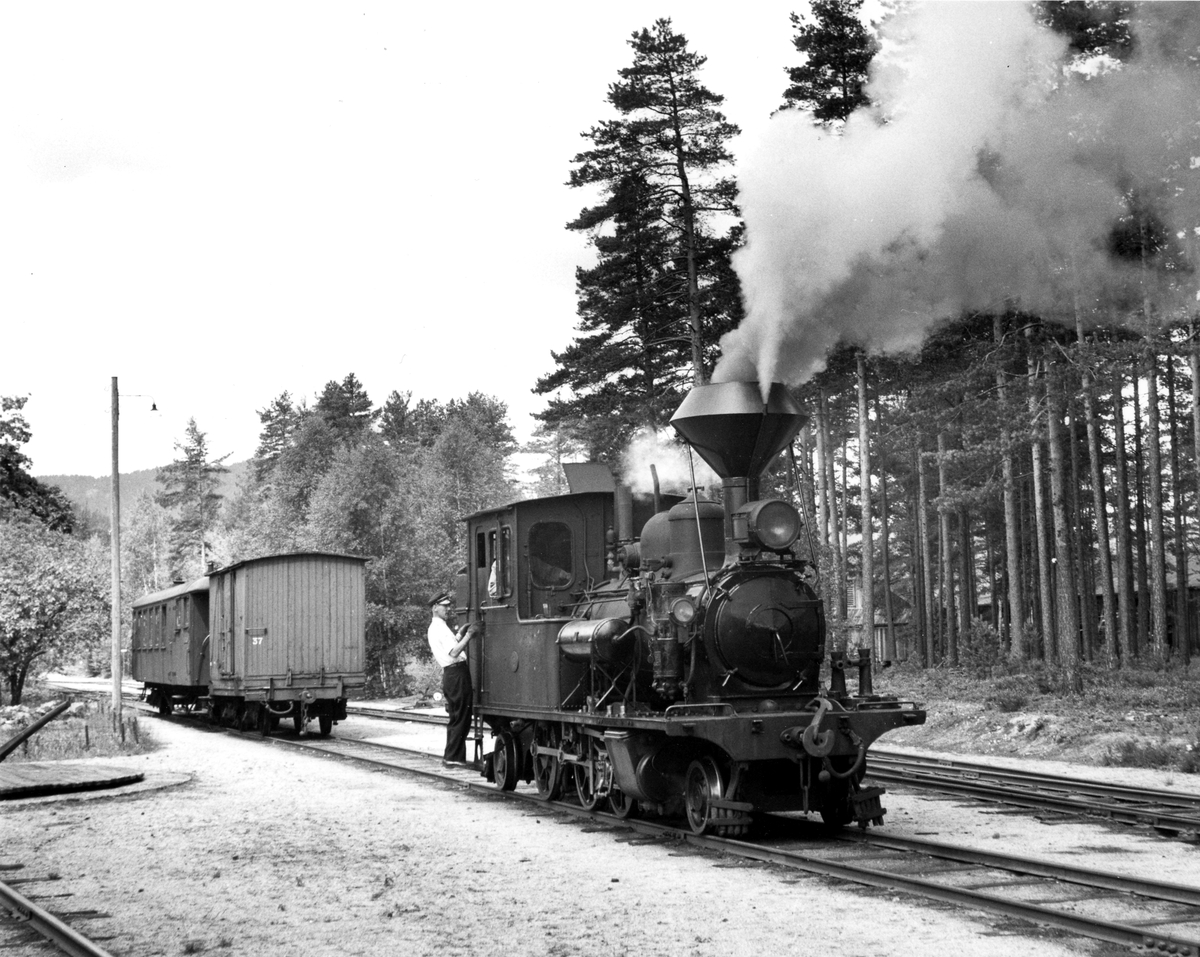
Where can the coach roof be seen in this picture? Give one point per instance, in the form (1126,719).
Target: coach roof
(175,591)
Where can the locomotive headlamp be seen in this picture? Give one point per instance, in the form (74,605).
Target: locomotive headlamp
(683,611)
(771,524)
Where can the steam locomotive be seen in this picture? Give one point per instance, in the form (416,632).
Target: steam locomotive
(678,671)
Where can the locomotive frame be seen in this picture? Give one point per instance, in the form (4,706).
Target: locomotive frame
(676,672)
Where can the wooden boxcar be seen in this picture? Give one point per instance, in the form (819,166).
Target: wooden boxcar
(169,647)
(267,638)
(287,638)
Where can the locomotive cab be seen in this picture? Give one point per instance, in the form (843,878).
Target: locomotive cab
(529,564)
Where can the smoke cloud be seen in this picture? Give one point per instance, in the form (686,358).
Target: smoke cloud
(998,175)
(670,460)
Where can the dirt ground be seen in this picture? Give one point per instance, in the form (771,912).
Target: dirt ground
(233,847)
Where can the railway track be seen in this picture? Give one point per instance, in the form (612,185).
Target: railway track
(25,924)
(1170,813)
(1155,916)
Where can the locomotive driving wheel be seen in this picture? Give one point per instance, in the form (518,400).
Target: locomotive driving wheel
(504,761)
(592,775)
(621,804)
(703,785)
(547,769)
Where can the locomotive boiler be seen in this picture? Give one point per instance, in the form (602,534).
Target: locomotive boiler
(677,670)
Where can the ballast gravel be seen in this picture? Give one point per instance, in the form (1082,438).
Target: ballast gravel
(233,846)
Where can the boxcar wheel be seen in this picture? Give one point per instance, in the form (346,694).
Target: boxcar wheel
(164,703)
(703,785)
(504,761)
(325,723)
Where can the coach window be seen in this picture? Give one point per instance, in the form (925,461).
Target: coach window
(550,555)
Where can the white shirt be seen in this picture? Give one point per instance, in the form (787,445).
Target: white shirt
(442,641)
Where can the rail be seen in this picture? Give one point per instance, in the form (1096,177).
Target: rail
(46,925)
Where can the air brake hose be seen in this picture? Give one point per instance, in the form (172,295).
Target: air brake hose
(827,767)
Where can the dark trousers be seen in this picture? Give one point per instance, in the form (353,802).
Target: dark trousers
(456,686)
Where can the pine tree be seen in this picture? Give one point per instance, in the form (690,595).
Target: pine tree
(655,304)
(190,488)
(279,422)
(838,49)
(346,407)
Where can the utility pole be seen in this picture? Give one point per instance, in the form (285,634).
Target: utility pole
(115,509)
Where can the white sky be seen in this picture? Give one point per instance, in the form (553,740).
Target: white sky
(217,202)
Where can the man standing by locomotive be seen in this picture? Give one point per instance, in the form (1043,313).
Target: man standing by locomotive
(449,651)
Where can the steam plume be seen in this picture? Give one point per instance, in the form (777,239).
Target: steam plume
(670,460)
(998,175)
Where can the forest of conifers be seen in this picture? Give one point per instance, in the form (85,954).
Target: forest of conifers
(1033,490)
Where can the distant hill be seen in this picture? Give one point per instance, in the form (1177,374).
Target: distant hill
(91,495)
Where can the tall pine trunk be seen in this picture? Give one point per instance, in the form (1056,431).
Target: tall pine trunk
(948,604)
(867,639)
(1126,603)
(1100,508)
(889,640)
(1039,516)
(1177,486)
(1068,644)
(1012,531)
(1141,558)
(1158,562)
(1082,551)
(931,617)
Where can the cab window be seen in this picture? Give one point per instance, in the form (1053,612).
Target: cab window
(551,563)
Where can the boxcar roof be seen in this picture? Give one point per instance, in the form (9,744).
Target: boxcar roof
(175,591)
(287,555)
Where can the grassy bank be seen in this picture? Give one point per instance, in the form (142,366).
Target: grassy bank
(88,730)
